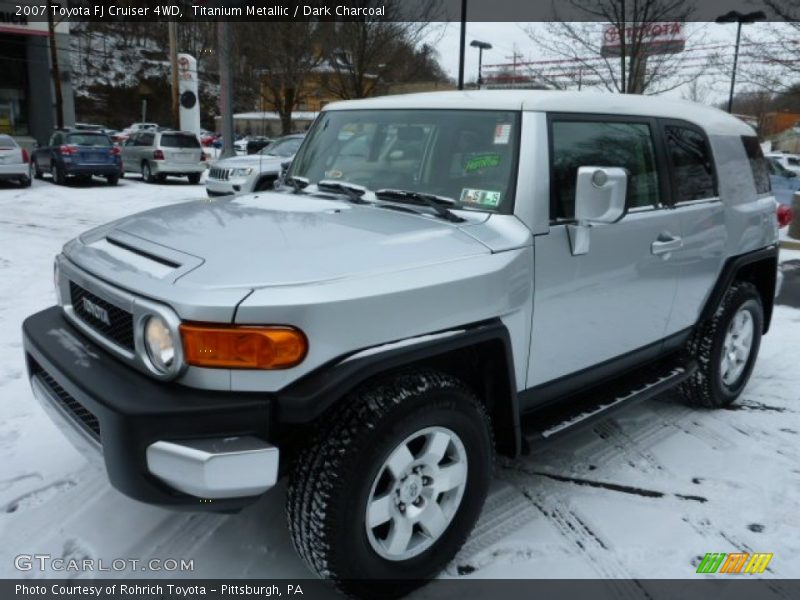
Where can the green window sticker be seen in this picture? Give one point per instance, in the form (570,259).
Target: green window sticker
(482,161)
(481,197)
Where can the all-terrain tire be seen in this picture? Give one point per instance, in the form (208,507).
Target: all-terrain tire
(706,387)
(332,479)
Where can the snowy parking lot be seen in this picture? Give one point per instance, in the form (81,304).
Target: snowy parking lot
(644,494)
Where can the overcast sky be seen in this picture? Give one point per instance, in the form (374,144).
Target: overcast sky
(505,37)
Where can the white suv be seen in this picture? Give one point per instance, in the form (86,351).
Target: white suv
(254,172)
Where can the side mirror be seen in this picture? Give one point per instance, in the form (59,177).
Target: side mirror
(599,198)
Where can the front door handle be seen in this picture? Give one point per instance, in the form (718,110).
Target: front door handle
(665,244)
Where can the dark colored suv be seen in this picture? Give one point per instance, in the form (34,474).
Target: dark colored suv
(78,154)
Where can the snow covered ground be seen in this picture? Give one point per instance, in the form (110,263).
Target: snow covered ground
(641,495)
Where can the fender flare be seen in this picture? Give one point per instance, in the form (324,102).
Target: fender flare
(312,395)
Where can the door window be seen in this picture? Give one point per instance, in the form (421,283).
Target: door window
(692,164)
(603,144)
(758,164)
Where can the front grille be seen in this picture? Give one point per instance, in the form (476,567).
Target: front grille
(81,415)
(219,174)
(112,321)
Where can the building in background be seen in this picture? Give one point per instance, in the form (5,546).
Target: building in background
(27,98)
(267,123)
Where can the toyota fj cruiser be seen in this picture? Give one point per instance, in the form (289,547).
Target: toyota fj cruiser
(436,278)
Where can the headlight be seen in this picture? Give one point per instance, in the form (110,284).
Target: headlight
(56,279)
(159,343)
(242,172)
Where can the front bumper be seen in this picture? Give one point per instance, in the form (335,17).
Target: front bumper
(161,443)
(238,185)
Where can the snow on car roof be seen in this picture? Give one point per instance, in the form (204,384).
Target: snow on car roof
(712,120)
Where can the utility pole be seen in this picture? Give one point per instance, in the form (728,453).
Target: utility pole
(225,88)
(56,72)
(514,56)
(173,59)
(462,45)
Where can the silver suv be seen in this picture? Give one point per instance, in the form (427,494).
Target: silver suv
(437,278)
(156,154)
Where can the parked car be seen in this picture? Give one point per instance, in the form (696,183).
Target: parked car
(137,127)
(253,172)
(488,268)
(787,161)
(783,181)
(156,154)
(90,127)
(207,138)
(14,162)
(79,154)
(256,144)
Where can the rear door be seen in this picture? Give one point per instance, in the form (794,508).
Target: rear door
(616,299)
(696,202)
(181,148)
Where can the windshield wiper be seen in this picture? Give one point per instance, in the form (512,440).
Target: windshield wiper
(298,183)
(437,203)
(351,190)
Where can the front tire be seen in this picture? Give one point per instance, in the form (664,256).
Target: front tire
(725,348)
(392,483)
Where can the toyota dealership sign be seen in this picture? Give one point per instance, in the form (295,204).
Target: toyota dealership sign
(651,38)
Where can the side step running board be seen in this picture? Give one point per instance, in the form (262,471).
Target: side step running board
(598,402)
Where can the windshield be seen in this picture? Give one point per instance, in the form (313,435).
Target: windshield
(469,156)
(284,148)
(88,139)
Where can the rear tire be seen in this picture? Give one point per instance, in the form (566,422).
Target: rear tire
(58,175)
(194,178)
(25,182)
(147,173)
(725,348)
(112,179)
(423,507)
(36,172)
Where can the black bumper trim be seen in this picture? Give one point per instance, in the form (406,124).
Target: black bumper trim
(133,411)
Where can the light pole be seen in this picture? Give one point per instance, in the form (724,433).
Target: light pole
(461,44)
(738,18)
(481,46)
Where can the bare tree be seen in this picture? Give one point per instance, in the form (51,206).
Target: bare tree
(771,52)
(282,68)
(362,54)
(628,65)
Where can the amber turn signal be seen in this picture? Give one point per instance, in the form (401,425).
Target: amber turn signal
(242,346)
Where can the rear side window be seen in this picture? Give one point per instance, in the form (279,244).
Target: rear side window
(174,140)
(603,144)
(692,165)
(758,164)
(6,141)
(88,139)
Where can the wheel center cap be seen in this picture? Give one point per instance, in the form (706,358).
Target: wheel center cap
(410,488)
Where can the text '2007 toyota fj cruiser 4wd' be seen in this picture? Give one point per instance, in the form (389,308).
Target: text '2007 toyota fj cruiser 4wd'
(436,278)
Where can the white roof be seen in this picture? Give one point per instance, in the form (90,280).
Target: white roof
(300,115)
(713,120)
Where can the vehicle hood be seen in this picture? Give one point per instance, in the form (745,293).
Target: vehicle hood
(250,160)
(283,239)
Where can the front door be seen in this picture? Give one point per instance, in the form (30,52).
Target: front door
(617,298)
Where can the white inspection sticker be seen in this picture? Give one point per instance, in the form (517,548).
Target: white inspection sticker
(502,133)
